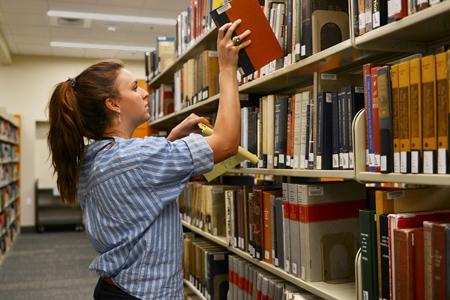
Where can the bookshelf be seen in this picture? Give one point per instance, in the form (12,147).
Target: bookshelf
(420,32)
(194,289)
(204,42)
(9,180)
(343,291)
(412,33)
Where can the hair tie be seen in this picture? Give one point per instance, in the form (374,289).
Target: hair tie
(72,81)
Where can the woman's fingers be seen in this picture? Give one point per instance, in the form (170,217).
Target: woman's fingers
(222,31)
(232,28)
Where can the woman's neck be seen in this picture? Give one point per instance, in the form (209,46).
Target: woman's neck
(119,130)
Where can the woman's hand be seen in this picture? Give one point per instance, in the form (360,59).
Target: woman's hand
(228,52)
(186,127)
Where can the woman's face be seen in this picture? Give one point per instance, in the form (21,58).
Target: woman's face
(133,100)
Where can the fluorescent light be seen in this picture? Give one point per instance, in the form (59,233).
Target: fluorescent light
(111,18)
(100,46)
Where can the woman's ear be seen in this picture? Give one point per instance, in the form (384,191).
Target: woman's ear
(112,105)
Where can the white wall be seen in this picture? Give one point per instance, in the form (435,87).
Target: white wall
(25,88)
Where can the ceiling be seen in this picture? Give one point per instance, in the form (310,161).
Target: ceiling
(27,29)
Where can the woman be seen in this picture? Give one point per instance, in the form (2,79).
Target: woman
(128,187)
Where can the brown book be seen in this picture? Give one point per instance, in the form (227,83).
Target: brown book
(429,118)
(262,36)
(415,120)
(419,292)
(268,223)
(442,95)
(362,17)
(439,260)
(405,143)
(258,218)
(404,263)
(395,118)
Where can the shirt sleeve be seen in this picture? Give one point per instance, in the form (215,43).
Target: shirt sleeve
(164,162)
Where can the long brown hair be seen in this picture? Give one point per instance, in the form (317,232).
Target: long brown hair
(77,111)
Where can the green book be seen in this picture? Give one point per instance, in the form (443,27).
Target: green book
(369,265)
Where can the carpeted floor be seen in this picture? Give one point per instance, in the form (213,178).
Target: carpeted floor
(48,266)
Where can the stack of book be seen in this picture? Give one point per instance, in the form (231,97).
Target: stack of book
(372,14)
(405,245)
(407,115)
(162,57)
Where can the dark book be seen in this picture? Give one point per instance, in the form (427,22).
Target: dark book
(217,275)
(262,36)
(298,29)
(343,151)
(356,18)
(385,120)
(147,66)
(324,131)
(252,134)
(384,249)
(281,109)
(369,265)
(370,147)
(379,13)
(288,28)
(368,20)
(335,130)
(279,232)
(447,263)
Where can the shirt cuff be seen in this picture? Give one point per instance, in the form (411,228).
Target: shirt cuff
(201,152)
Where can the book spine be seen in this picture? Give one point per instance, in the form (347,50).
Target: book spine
(447,262)
(286,228)
(442,92)
(368,14)
(415,120)
(385,116)
(361,16)
(375,118)
(404,260)
(306,35)
(438,260)
(419,292)
(367,229)
(428,263)
(356,18)
(429,123)
(369,119)
(384,249)
(341,119)
(335,130)
(320,128)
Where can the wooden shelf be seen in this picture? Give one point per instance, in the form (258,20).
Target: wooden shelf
(194,289)
(9,118)
(205,42)
(344,291)
(6,182)
(8,161)
(3,140)
(345,174)
(10,201)
(412,33)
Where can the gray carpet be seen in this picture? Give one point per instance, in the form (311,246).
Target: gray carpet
(48,266)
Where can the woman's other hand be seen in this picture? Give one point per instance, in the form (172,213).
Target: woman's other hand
(187,126)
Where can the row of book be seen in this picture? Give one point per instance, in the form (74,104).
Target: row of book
(193,23)
(405,245)
(372,14)
(8,227)
(7,194)
(161,58)
(302,132)
(407,106)
(218,274)
(8,132)
(295,227)
(188,89)
(8,172)
(8,152)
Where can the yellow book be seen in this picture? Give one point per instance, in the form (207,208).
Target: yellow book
(395,119)
(415,70)
(404,133)
(228,164)
(442,111)
(429,118)
(217,4)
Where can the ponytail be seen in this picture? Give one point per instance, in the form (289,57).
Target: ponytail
(65,139)
(77,111)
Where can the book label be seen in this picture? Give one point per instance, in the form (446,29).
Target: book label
(287,265)
(362,23)
(328,76)
(415,162)
(377,160)
(303,275)
(224,8)
(403,162)
(266,254)
(428,162)
(275,262)
(395,195)
(376,19)
(442,161)
(294,268)
(335,161)
(315,191)
(281,158)
(297,49)
(303,50)
(396,162)
(351,160)
(288,161)
(383,163)
(345,160)
(319,162)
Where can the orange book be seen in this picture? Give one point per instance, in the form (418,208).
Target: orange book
(395,117)
(442,93)
(415,120)
(429,118)
(405,142)
(264,47)
(268,223)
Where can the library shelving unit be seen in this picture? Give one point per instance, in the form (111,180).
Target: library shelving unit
(9,180)
(420,32)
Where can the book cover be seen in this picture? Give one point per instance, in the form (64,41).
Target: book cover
(369,266)
(324,131)
(415,120)
(335,130)
(262,36)
(294,230)
(404,117)
(439,260)
(370,147)
(395,117)
(404,263)
(385,117)
(429,115)
(442,95)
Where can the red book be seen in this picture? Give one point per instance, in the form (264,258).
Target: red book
(439,260)
(375,118)
(419,291)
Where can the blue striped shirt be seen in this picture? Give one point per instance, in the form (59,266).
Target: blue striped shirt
(128,192)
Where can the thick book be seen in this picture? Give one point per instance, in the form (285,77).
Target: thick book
(395,115)
(262,36)
(439,259)
(385,117)
(324,131)
(429,115)
(404,117)
(329,220)
(442,93)
(404,263)
(379,13)
(369,266)
(415,115)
